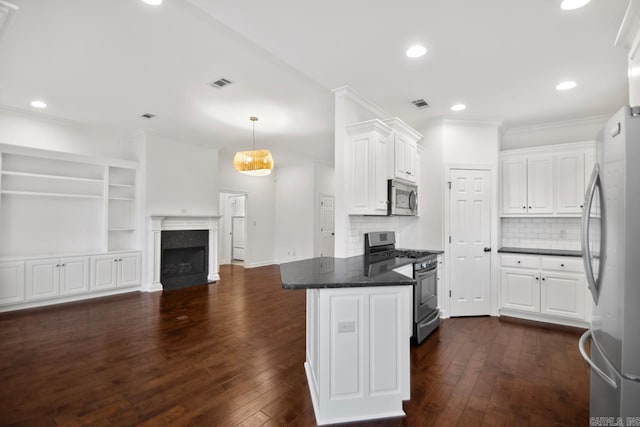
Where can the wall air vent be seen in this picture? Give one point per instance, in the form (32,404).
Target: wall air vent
(148,116)
(420,103)
(220,83)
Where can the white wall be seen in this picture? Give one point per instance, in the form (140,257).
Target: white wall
(294,212)
(553,133)
(181,178)
(47,133)
(260,193)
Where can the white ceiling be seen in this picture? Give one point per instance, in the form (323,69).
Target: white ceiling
(107,62)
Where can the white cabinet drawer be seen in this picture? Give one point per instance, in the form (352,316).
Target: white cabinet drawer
(573,265)
(523,261)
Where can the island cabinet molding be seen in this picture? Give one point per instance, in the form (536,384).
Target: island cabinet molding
(357,357)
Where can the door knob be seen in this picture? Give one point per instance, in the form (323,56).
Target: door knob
(487,249)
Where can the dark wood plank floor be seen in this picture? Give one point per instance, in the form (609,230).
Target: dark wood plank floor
(232,353)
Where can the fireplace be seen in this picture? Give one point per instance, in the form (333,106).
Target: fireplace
(183,260)
(159,225)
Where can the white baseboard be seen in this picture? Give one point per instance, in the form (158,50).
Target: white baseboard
(258,264)
(73,298)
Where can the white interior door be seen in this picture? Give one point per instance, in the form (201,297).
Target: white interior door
(470,231)
(238,232)
(327,229)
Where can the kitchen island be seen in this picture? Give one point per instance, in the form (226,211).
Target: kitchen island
(359,325)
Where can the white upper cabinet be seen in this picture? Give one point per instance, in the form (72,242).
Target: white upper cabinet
(403,153)
(540,184)
(545,181)
(367,161)
(514,185)
(570,182)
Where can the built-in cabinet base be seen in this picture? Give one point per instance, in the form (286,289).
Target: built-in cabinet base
(35,282)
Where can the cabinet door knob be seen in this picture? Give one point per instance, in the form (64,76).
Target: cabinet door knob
(518,262)
(544,278)
(57,265)
(561,265)
(63,265)
(581,206)
(537,278)
(529,207)
(524,207)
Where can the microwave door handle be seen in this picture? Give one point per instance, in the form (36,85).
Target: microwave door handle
(412,200)
(586,219)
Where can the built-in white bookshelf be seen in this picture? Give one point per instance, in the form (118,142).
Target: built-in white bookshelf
(54,203)
(121,189)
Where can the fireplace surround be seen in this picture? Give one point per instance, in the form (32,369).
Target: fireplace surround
(159,223)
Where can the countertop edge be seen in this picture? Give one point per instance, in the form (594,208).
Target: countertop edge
(543,252)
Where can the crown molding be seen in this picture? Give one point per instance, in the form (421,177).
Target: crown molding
(369,125)
(462,122)
(628,33)
(397,124)
(7,13)
(589,120)
(350,94)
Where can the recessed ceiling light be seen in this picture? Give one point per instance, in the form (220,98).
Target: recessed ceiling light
(153,2)
(566,85)
(416,51)
(38,104)
(458,107)
(573,4)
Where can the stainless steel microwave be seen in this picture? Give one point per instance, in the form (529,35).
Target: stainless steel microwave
(403,198)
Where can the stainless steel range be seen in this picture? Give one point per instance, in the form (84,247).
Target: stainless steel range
(382,255)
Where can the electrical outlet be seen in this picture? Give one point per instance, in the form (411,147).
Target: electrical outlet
(183,210)
(347,326)
(563,234)
(294,253)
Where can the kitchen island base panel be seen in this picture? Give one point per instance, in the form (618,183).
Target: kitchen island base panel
(358,342)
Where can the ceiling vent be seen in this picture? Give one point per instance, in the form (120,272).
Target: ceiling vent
(420,103)
(7,12)
(220,83)
(148,116)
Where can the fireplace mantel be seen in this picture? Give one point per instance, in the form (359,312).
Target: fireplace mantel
(159,223)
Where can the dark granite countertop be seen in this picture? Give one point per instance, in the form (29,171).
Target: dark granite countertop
(328,272)
(534,251)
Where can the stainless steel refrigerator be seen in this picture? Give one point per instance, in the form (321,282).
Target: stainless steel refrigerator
(611,254)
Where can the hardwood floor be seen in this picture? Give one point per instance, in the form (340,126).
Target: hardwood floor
(232,353)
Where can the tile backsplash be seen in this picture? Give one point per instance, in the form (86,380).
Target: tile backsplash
(541,233)
(364,224)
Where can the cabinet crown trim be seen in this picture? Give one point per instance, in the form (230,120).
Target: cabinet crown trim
(399,126)
(368,126)
(548,149)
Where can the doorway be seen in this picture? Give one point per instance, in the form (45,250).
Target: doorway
(470,242)
(233,225)
(327,225)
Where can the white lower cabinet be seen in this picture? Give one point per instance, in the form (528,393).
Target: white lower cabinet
(115,271)
(11,282)
(521,290)
(35,282)
(563,295)
(544,288)
(50,278)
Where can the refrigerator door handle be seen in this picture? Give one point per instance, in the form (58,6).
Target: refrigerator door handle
(586,251)
(594,367)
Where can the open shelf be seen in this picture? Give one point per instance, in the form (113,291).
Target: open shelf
(122,185)
(45,194)
(48,176)
(121,198)
(122,229)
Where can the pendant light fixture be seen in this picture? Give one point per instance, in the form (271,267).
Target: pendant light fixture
(254,162)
